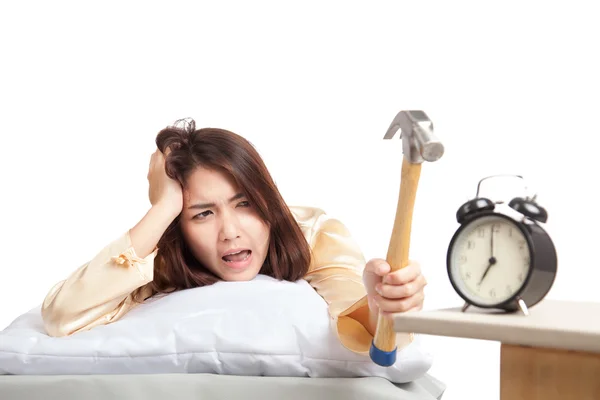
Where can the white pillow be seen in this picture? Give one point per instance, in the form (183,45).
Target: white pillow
(261,327)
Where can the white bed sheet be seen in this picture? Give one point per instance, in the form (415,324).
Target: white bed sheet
(213,387)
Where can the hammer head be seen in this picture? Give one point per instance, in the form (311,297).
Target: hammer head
(418,141)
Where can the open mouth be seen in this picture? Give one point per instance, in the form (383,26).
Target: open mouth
(240,256)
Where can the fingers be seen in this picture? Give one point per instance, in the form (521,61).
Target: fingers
(150,164)
(401,290)
(380,267)
(403,275)
(157,153)
(156,157)
(395,291)
(414,302)
(377,266)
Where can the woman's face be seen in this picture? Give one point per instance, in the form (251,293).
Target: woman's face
(221,228)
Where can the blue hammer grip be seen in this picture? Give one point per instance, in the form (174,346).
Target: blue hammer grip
(380,357)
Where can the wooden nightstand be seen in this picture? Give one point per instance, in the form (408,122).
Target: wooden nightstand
(552,353)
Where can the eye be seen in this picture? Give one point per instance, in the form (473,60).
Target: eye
(202,215)
(244,204)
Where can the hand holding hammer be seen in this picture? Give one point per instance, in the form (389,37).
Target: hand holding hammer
(418,144)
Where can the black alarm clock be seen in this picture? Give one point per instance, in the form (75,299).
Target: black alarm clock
(501,260)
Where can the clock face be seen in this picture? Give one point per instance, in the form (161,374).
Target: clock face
(489,260)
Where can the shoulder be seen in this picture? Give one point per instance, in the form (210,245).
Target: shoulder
(329,239)
(308,218)
(314,221)
(306,215)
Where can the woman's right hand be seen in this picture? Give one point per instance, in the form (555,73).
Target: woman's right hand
(163,191)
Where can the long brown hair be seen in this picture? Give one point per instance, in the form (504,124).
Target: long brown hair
(175,268)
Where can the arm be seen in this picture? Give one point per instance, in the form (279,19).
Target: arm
(100,291)
(336,274)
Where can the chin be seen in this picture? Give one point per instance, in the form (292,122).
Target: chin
(232,275)
(239,277)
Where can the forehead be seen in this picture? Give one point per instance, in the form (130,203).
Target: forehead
(210,185)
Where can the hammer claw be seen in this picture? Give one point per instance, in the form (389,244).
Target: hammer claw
(416,129)
(394,127)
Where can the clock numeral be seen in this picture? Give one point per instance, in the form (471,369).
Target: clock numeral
(468,275)
(522,244)
(480,232)
(521,277)
(470,244)
(510,232)
(493,293)
(462,259)
(496,228)
(508,289)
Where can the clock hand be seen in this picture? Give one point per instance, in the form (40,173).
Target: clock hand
(492,262)
(492,242)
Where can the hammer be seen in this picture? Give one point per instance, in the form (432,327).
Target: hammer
(418,144)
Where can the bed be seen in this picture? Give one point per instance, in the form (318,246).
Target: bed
(211,386)
(183,346)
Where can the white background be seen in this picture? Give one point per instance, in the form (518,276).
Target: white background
(511,88)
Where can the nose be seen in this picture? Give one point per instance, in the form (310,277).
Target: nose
(230,228)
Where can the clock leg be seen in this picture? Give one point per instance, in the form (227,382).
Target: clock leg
(464,308)
(532,373)
(523,306)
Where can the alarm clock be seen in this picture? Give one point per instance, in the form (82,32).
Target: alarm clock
(501,260)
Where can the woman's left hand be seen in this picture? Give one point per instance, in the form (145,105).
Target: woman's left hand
(393,292)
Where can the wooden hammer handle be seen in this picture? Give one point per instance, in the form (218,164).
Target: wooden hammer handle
(397,256)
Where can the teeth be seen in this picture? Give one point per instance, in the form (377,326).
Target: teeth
(243,259)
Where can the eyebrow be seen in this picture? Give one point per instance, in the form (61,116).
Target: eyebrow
(209,205)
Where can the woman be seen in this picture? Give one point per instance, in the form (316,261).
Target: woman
(216,214)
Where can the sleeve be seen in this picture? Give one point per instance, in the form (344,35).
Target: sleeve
(336,274)
(98,292)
